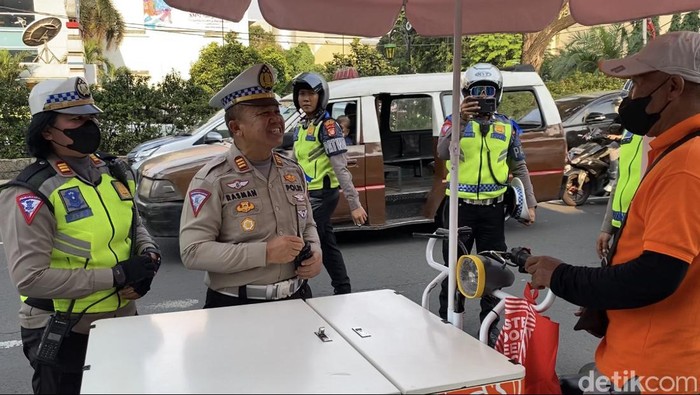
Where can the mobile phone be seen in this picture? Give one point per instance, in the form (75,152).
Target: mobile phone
(487,105)
(52,338)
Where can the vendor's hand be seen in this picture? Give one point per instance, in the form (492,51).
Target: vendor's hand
(602,245)
(541,269)
(283,249)
(469,108)
(310,267)
(359,216)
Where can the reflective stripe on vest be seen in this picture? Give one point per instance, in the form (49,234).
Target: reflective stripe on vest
(629,176)
(312,157)
(92,232)
(475,179)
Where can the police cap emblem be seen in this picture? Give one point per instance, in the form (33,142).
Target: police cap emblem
(82,88)
(265,78)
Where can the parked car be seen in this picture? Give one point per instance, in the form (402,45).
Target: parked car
(584,112)
(212,131)
(395,123)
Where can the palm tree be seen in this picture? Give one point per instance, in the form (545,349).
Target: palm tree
(95,55)
(587,48)
(101,21)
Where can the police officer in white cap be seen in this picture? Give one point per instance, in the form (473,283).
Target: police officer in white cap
(76,250)
(490,150)
(247,221)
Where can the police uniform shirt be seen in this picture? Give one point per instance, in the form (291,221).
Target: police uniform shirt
(334,145)
(515,155)
(28,233)
(230,213)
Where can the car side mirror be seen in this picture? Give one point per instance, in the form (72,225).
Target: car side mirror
(213,137)
(594,117)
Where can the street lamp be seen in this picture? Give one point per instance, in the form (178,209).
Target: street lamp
(389,50)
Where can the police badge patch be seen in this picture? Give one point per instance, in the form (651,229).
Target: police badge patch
(299,197)
(75,204)
(248,224)
(197,199)
(302,213)
(290,177)
(245,206)
(238,184)
(29,204)
(330,127)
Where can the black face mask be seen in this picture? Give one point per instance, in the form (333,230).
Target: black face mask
(634,116)
(86,137)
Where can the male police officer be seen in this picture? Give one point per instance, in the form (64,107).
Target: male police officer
(489,150)
(247,215)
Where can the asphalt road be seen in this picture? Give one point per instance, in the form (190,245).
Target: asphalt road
(376,260)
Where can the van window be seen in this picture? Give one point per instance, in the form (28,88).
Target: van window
(408,114)
(349,109)
(521,106)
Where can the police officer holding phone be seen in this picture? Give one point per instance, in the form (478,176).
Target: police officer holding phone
(76,249)
(489,150)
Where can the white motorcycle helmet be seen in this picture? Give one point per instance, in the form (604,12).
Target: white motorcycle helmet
(483,79)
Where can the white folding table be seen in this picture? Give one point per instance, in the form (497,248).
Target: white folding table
(380,342)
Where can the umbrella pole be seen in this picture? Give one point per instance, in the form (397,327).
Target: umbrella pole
(454,318)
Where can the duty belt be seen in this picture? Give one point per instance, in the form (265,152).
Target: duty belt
(276,291)
(484,202)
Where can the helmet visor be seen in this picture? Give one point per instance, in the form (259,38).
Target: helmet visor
(481,91)
(312,80)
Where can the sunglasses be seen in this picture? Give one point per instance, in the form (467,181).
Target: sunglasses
(488,91)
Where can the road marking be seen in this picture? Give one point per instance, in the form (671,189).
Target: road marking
(169,305)
(10,344)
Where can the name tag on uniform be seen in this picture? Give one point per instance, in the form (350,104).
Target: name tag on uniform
(75,204)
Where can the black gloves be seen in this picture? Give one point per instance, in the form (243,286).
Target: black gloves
(133,270)
(142,287)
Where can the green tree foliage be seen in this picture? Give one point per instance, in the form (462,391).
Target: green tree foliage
(135,111)
(675,23)
(501,50)
(301,59)
(219,64)
(94,54)
(585,50)
(14,109)
(259,38)
(634,38)
(579,82)
(101,21)
(364,58)
(691,21)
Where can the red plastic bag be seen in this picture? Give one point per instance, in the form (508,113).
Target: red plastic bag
(531,340)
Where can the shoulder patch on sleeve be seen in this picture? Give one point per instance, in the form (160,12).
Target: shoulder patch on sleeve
(329,124)
(446,127)
(29,204)
(197,199)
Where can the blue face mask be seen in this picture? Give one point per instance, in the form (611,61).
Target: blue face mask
(634,116)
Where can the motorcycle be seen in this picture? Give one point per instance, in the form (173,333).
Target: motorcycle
(490,275)
(591,168)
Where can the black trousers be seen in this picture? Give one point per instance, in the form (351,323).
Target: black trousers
(66,375)
(488,232)
(323,203)
(216,299)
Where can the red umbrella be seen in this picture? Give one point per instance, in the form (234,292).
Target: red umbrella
(345,73)
(373,18)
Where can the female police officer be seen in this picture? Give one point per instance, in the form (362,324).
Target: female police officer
(319,147)
(74,243)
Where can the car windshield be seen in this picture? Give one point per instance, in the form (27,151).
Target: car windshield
(571,105)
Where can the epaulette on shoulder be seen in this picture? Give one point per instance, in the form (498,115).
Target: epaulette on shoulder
(285,159)
(32,178)
(211,165)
